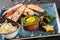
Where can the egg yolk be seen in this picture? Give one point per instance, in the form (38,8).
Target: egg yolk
(30,19)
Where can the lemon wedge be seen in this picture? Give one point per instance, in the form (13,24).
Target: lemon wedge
(30,19)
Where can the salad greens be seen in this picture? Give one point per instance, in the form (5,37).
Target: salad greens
(29,24)
(47,18)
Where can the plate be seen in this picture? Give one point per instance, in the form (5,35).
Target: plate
(51,10)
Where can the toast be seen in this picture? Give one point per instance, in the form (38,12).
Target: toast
(35,7)
(25,13)
(10,11)
(10,17)
(18,13)
(28,11)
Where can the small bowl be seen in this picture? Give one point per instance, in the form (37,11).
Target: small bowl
(11,34)
(32,27)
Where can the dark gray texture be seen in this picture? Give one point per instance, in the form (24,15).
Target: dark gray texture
(9,3)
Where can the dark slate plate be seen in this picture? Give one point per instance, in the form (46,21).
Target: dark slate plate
(51,10)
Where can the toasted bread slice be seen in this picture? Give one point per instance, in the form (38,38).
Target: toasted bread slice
(35,7)
(25,13)
(28,11)
(10,17)
(18,13)
(10,11)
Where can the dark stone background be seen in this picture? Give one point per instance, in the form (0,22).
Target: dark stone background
(10,3)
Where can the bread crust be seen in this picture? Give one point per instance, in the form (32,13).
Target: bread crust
(11,10)
(35,7)
(18,13)
(28,11)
